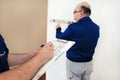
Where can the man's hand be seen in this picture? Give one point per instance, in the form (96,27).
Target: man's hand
(46,52)
(58,25)
(70,22)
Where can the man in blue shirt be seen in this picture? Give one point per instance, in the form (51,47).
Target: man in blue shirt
(85,33)
(30,63)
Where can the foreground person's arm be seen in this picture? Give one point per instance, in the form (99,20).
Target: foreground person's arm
(28,69)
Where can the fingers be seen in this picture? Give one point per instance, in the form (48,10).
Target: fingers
(49,44)
(58,25)
(46,52)
(70,22)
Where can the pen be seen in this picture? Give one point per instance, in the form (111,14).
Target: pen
(42,45)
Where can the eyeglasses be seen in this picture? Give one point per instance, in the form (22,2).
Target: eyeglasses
(76,11)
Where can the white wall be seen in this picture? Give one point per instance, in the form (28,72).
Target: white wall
(106,14)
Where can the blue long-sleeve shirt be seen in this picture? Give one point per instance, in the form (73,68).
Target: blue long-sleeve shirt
(85,33)
(3,56)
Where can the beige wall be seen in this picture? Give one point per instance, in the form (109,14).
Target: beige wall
(23,24)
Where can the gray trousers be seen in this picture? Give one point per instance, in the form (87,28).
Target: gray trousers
(78,70)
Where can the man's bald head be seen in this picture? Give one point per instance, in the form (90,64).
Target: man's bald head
(85,6)
(84,3)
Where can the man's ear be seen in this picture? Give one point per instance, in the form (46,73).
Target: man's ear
(82,13)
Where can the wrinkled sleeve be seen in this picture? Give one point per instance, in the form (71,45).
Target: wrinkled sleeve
(67,34)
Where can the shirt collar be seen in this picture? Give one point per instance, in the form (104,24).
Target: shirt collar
(85,19)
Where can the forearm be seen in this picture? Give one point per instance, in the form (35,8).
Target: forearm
(25,71)
(16,59)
